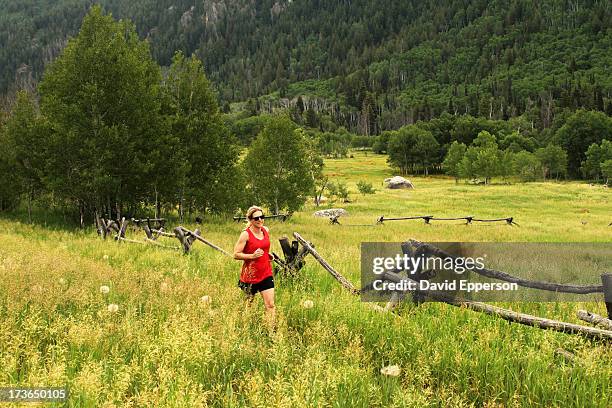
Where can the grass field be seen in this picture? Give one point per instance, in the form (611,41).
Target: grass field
(165,347)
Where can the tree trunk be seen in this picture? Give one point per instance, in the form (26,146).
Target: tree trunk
(156,203)
(181,206)
(30,205)
(118,207)
(81,215)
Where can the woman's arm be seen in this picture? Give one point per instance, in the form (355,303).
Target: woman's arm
(239,247)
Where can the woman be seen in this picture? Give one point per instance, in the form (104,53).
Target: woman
(253,248)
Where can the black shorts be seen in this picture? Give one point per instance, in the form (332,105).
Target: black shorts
(252,288)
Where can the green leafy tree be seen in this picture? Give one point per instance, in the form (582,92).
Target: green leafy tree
(343,192)
(278,168)
(101,99)
(486,164)
(26,145)
(247,129)
(412,146)
(606,170)
(482,159)
(506,164)
(453,159)
(381,144)
(553,159)
(580,131)
(311,118)
(517,142)
(596,154)
(334,145)
(10,185)
(315,161)
(527,166)
(207,175)
(427,148)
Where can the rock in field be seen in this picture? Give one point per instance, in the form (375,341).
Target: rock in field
(331,212)
(398,182)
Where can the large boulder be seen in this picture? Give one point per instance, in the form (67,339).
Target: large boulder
(398,182)
(331,212)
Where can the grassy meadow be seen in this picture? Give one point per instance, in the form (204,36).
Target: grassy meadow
(164,346)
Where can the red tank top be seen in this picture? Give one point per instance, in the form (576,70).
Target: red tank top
(256,270)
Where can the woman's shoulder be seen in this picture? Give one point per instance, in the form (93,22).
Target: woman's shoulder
(266,228)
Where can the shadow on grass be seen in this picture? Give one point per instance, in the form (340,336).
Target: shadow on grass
(68,220)
(59,220)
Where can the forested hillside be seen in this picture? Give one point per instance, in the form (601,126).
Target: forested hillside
(367,65)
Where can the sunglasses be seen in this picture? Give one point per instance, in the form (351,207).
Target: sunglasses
(261,217)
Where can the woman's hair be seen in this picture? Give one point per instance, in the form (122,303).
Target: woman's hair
(253,209)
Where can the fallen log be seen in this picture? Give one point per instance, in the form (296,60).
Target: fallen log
(505,314)
(565,354)
(343,281)
(161,232)
(491,273)
(204,241)
(510,315)
(132,241)
(595,319)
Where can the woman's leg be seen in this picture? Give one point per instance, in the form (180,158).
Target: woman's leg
(268,298)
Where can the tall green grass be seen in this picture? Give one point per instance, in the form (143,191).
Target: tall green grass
(165,347)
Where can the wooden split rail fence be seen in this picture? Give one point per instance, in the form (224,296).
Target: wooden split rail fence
(506,314)
(294,253)
(282,217)
(429,218)
(335,220)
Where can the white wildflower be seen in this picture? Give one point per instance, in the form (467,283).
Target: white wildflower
(113,308)
(205,300)
(392,370)
(308,304)
(104,289)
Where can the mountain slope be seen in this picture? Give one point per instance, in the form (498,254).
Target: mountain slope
(407,60)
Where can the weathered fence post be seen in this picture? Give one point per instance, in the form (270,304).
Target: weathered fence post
(122,228)
(186,237)
(413,250)
(147,231)
(99,226)
(606,280)
(294,256)
(334,219)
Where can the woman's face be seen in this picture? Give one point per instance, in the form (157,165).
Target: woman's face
(257,219)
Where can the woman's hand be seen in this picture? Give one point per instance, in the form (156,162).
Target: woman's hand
(258,253)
